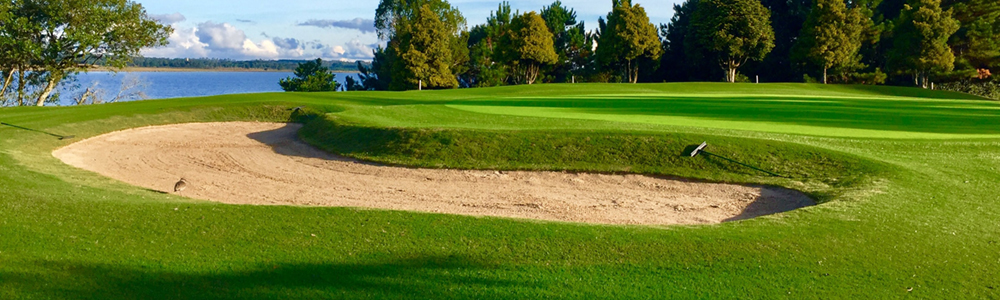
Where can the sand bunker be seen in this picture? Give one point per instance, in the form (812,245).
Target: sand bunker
(264,163)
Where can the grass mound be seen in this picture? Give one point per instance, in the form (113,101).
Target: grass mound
(818,171)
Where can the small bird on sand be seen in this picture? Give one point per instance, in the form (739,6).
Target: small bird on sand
(180,185)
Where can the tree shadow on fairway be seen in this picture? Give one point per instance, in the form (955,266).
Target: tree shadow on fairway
(423,277)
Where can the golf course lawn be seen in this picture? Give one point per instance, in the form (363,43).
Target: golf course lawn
(907,183)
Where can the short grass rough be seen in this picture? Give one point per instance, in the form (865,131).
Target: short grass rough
(907,181)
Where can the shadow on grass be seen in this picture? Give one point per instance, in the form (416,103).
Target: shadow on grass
(773,200)
(285,141)
(970,117)
(423,277)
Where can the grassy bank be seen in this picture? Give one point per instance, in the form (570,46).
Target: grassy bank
(909,180)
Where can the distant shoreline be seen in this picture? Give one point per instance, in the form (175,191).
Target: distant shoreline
(148,69)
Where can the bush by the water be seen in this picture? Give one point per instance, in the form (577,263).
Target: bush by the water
(989,88)
(311,76)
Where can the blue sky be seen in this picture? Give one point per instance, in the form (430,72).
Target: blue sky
(307,29)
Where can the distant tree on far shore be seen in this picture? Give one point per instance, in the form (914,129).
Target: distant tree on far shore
(311,76)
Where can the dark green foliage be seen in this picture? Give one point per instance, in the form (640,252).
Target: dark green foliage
(678,63)
(976,44)
(311,76)
(787,19)
(989,88)
(733,31)
(920,38)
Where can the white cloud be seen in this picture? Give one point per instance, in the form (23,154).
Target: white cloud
(183,43)
(221,37)
(223,40)
(173,18)
(351,51)
(363,25)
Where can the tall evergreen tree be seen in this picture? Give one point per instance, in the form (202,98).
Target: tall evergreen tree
(921,41)
(569,38)
(831,36)
(735,31)
(393,21)
(530,46)
(424,53)
(628,37)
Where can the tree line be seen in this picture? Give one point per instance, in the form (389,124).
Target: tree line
(901,42)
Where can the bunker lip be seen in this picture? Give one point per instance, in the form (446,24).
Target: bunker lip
(266,164)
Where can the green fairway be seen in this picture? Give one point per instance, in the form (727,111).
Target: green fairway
(907,182)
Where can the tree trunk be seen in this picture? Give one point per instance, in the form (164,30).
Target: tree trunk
(531,73)
(6,82)
(20,87)
(633,72)
(824,75)
(51,85)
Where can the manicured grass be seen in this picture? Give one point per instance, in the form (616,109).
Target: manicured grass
(907,177)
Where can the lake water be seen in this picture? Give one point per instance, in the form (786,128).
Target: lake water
(160,85)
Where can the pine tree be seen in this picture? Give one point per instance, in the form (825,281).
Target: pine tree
(627,37)
(424,54)
(920,45)
(530,46)
(831,36)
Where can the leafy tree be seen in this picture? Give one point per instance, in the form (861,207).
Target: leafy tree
(530,46)
(735,31)
(311,76)
(396,22)
(977,42)
(65,36)
(831,36)
(391,13)
(921,40)
(424,54)
(628,36)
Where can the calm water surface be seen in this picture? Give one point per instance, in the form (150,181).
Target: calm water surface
(160,85)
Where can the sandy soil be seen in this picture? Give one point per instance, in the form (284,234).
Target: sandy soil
(265,164)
